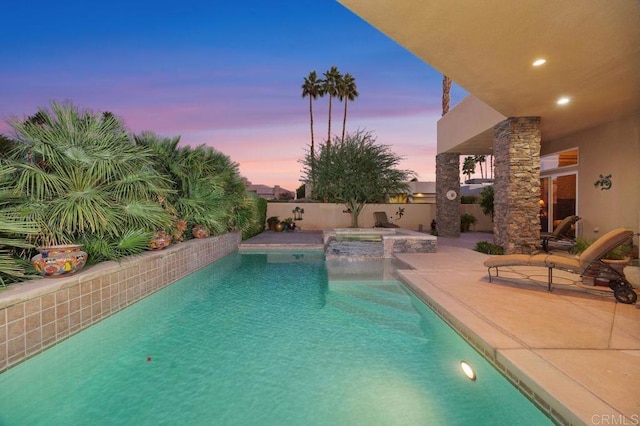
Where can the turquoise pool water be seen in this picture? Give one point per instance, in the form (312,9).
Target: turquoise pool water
(266,339)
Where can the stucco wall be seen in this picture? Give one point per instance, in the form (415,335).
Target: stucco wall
(613,148)
(318,216)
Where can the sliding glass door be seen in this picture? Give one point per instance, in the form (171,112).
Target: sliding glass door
(558,194)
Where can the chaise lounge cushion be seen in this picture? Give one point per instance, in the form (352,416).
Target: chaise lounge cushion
(577,264)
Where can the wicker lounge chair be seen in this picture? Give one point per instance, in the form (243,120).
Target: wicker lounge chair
(587,264)
(381,221)
(559,233)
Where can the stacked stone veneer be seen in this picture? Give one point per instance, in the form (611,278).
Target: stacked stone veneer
(394,240)
(41,313)
(408,244)
(517,184)
(447,179)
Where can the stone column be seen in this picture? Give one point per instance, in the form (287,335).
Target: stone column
(448,179)
(516,148)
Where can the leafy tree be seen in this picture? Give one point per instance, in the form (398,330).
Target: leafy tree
(356,172)
(312,88)
(85,181)
(486,200)
(469,166)
(330,86)
(347,91)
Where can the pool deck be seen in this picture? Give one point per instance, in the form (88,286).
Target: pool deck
(576,352)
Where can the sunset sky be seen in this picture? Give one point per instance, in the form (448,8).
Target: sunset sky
(225,74)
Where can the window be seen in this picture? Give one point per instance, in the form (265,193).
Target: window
(559,160)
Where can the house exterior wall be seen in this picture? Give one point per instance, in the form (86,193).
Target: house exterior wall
(612,148)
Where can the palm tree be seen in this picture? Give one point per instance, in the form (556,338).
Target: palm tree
(312,87)
(330,87)
(479,159)
(469,166)
(347,91)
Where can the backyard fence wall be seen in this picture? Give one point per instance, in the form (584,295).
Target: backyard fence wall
(40,313)
(416,217)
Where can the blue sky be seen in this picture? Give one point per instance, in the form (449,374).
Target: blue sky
(226,74)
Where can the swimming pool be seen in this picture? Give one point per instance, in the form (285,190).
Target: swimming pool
(266,338)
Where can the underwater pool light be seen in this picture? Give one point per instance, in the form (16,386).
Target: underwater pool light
(468,371)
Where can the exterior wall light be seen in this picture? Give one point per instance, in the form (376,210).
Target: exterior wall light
(563,101)
(297,213)
(468,371)
(539,62)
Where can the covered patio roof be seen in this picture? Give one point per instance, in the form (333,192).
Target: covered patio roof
(591,47)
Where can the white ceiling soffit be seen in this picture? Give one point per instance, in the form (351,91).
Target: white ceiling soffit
(592,48)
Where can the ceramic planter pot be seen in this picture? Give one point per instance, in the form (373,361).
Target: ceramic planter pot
(59,260)
(199,231)
(159,241)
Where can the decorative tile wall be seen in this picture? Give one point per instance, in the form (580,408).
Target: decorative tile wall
(37,314)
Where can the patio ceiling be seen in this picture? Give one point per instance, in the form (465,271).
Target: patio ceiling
(592,49)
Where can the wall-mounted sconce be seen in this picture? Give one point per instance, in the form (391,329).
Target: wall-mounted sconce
(604,182)
(297,213)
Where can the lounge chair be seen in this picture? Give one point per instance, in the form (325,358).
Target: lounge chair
(587,264)
(559,233)
(381,221)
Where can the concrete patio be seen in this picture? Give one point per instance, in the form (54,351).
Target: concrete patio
(576,352)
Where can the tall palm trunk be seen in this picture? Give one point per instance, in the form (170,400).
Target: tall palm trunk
(313,149)
(344,118)
(446,94)
(329,127)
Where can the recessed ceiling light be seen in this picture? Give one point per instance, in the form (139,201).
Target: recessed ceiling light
(563,100)
(539,62)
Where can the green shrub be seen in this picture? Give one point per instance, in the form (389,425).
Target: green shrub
(488,248)
(466,220)
(621,252)
(469,199)
(486,200)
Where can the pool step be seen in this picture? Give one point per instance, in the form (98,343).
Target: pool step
(391,311)
(386,296)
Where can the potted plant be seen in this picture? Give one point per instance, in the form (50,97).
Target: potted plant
(466,220)
(289,224)
(272,221)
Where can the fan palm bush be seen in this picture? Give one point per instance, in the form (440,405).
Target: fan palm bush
(207,187)
(13,232)
(81,179)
